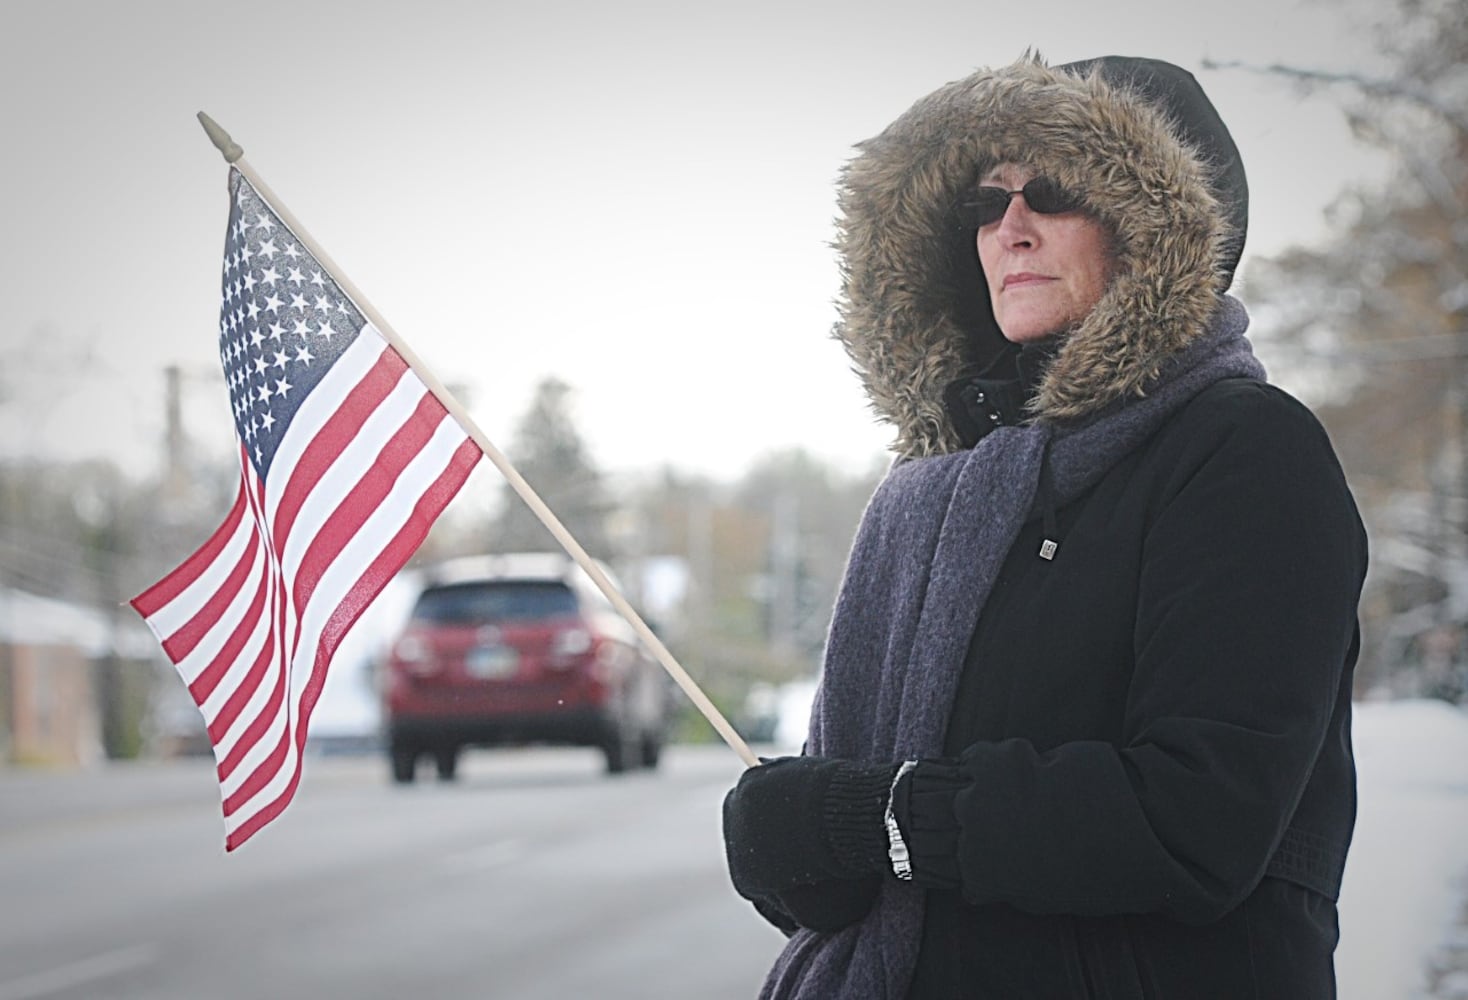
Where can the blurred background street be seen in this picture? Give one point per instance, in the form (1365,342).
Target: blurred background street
(534,876)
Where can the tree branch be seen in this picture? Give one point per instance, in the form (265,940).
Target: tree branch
(1375,86)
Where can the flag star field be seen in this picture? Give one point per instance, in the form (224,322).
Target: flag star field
(282,323)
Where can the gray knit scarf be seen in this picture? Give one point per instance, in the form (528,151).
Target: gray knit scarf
(931,541)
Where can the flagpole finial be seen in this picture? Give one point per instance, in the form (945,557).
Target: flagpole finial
(221,139)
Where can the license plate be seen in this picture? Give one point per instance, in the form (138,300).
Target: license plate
(491,662)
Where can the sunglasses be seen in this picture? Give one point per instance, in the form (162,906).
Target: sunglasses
(988,204)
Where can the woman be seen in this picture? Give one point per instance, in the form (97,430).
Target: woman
(1084,723)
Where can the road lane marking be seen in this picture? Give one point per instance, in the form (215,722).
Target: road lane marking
(65,977)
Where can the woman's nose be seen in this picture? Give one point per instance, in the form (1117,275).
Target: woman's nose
(1015,226)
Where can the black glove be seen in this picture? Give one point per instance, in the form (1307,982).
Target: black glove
(826,906)
(833,904)
(798,821)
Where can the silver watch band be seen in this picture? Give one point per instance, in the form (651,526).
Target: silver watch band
(896,846)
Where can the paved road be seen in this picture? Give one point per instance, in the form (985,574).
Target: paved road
(533,876)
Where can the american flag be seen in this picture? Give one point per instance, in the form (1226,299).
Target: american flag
(345,459)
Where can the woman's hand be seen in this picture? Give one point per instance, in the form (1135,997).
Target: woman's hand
(799,821)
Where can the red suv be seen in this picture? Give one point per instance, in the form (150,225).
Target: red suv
(519,649)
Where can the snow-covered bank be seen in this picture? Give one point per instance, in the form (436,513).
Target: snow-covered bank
(1408,868)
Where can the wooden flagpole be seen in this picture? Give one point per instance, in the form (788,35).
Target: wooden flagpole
(234,155)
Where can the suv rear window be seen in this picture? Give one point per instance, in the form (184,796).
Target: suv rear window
(499,601)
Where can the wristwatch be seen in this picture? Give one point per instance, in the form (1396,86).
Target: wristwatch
(896,846)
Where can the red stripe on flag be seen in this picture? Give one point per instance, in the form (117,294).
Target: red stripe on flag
(366,496)
(209,678)
(271,656)
(243,692)
(182,642)
(176,582)
(414,529)
(274,705)
(268,812)
(266,769)
(333,437)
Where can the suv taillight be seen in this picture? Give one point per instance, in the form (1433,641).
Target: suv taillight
(568,646)
(415,655)
(612,661)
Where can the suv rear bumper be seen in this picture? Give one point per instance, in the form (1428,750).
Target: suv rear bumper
(579,727)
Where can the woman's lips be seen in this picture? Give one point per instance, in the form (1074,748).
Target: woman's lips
(1023,278)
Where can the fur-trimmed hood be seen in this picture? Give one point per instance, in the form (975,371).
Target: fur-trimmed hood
(1141,144)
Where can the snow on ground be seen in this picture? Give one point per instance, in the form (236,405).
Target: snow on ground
(1408,869)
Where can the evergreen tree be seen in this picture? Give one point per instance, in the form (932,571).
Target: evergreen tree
(549,452)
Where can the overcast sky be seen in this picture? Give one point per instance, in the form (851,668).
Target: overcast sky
(636,198)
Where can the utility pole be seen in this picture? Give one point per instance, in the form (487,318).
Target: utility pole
(175,468)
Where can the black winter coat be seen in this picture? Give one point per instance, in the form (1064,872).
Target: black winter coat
(1150,789)
(1147,788)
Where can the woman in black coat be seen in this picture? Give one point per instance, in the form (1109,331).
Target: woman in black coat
(1084,723)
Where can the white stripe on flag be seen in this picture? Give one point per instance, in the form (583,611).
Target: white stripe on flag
(209,645)
(191,600)
(345,472)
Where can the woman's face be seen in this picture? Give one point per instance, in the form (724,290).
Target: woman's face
(1045,272)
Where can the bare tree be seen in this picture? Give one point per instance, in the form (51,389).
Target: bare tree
(1372,323)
